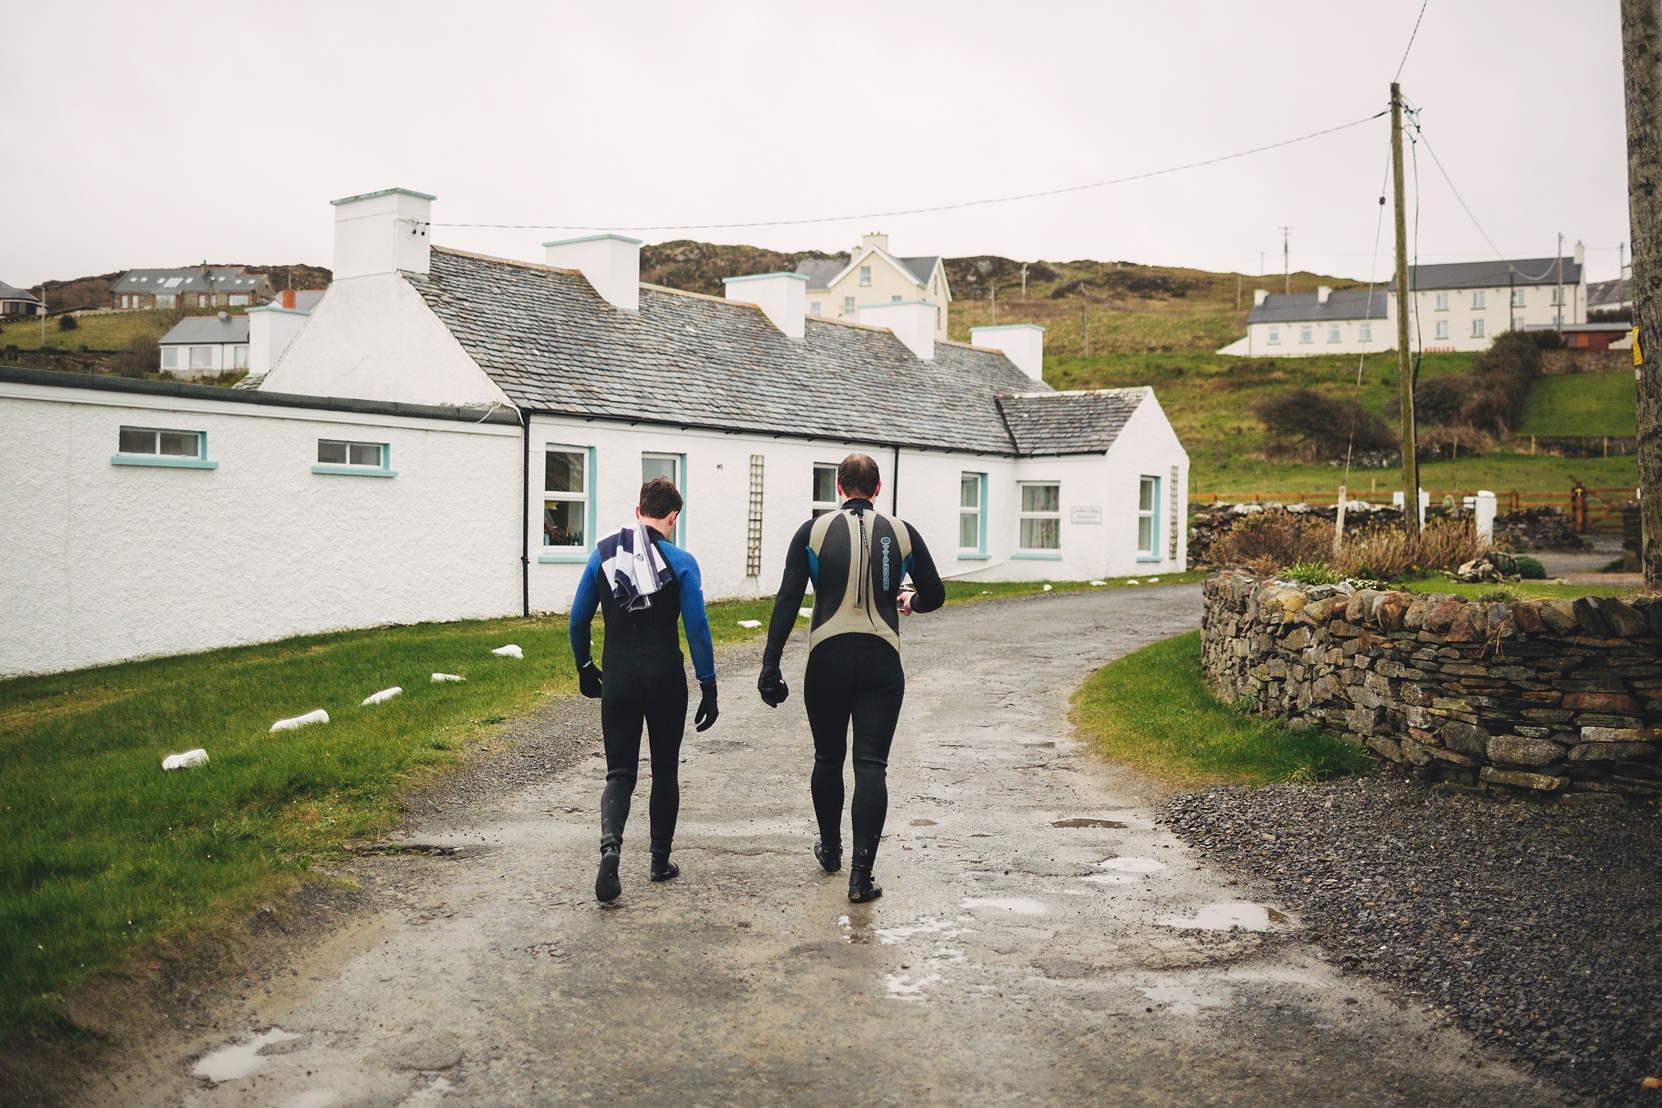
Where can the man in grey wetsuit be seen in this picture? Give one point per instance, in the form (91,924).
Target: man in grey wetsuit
(857,558)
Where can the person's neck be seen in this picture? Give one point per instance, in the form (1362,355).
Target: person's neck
(656,526)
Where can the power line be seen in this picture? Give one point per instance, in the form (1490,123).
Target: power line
(932,208)
(1411,36)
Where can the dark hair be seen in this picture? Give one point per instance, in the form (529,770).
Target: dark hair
(858,475)
(659,498)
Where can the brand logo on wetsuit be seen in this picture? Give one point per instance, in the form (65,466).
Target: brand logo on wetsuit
(885,561)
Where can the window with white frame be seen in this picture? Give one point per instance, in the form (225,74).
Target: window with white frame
(162,443)
(1441,330)
(1364,332)
(1332,332)
(239,357)
(1478,299)
(813,309)
(1275,336)
(341,452)
(665,465)
(1477,328)
(825,490)
(1306,333)
(1517,298)
(1557,296)
(972,503)
(1442,302)
(565,498)
(865,276)
(848,305)
(170,357)
(1148,517)
(895,299)
(201,357)
(1041,516)
(239,299)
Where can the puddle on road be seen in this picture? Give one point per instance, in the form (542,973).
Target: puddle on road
(1019,905)
(892,936)
(231,1063)
(1124,871)
(857,933)
(1183,1000)
(1086,821)
(903,986)
(1226,916)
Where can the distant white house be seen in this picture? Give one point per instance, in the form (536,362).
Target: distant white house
(839,287)
(448,435)
(1610,296)
(1457,306)
(19,302)
(205,346)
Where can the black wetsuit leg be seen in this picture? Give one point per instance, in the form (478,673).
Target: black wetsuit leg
(858,680)
(657,697)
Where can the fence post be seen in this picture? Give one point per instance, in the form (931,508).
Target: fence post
(1578,508)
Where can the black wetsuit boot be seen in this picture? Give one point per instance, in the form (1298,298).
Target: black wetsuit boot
(607,887)
(861,887)
(662,868)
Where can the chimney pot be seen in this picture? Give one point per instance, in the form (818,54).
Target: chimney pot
(1259,296)
(1322,293)
(287,299)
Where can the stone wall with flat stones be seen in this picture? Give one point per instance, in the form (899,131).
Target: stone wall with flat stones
(1542,696)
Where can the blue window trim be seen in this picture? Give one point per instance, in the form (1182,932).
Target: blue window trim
(591,514)
(1153,515)
(161,461)
(1036,556)
(354,471)
(972,557)
(680,537)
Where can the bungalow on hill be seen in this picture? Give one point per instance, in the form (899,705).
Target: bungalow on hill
(205,346)
(194,287)
(447,435)
(1349,321)
(16,302)
(839,287)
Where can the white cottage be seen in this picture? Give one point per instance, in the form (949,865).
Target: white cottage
(448,434)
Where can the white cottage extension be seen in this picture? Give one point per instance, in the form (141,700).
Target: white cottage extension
(448,434)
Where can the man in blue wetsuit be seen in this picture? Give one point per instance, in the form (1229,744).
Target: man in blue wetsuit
(857,559)
(643,585)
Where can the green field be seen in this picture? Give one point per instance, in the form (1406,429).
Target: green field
(1582,404)
(100,331)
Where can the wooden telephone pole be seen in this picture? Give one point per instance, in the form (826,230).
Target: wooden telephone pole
(1642,73)
(1405,374)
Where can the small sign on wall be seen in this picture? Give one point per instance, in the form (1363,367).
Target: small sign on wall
(1086,515)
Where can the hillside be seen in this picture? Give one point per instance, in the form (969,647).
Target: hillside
(94,292)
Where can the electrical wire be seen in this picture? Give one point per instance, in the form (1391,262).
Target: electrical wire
(1411,36)
(960,205)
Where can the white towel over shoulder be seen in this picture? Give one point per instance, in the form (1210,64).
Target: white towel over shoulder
(632,566)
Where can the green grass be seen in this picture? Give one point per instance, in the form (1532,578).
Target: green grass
(1514,590)
(1152,710)
(104,331)
(1582,404)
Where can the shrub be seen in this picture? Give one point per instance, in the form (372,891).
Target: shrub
(67,322)
(1266,541)
(1312,573)
(1320,428)
(1530,569)
(141,356)
(1443,544)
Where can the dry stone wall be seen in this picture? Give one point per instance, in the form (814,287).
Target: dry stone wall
(1542,696)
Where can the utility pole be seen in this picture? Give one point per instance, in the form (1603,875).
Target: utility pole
(1642,73)
(1405,376)
(1024,280)
(992,296)
(1558,317)
(1084,322)
(1286,269)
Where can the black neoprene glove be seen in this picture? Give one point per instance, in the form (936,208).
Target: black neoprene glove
(588,680)
(707,713)
(771,684)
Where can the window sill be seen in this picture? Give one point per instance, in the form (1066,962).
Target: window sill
(563,558)
(972,557)
(1149,559)
(1036,556)
(161,461)
(354,471)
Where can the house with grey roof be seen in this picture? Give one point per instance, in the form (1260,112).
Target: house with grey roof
(448,435)
(1610,297)
(202,286)
(1320,322)
(205,346)
(839,287)
(19,302)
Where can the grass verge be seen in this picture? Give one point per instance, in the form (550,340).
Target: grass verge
(1152,710)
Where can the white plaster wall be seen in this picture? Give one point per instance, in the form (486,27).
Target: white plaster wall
(373,338)
(1382,337)
(100,563)
(1147,445)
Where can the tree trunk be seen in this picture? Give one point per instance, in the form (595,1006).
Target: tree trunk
(1642,70)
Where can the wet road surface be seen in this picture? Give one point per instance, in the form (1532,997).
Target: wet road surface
(1039,941)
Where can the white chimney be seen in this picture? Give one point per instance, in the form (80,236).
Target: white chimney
(783,298)
(382,232)
(611,263)
(271,327)
(1022,343)
(1259,296)
(1322,293)
(912,321)
(875,240)
(1580,252)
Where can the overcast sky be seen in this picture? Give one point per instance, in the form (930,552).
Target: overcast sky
(163,135)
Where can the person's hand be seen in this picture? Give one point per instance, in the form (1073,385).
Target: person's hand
(771,684)
(904,601)
(707,713)
(588,680)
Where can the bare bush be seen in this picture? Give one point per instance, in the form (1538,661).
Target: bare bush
(1275,540)
(1389,554)
(1307,425)
(1270,540)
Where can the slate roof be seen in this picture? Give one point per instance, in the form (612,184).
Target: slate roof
(1608,294)
(9,292)
(207,329)
(189,279)
(554,346)
(1521,272)
(1068,422)
(820,271)
(1303,307)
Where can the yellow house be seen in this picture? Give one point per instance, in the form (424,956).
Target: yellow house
(839,287)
